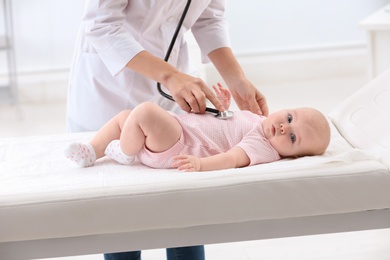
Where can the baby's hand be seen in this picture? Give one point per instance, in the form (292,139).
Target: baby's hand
(187,163)
(223,95)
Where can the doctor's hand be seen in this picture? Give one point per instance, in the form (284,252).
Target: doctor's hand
(248,97)
(190,93)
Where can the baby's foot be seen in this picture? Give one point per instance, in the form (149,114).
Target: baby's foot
(114,151)
(81,153)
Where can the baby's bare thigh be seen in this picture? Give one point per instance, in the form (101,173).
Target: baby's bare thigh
(161,129)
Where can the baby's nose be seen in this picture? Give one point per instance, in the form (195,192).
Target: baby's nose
(283,128)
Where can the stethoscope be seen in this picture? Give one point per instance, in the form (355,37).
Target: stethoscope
(218,114)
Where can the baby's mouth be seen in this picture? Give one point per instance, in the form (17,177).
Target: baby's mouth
(273,130)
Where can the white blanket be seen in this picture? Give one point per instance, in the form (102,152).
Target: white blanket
(37,165)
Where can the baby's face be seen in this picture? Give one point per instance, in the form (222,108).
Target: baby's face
(297,132)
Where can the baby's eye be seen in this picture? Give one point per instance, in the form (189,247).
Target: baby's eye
(289,118)
(293,138)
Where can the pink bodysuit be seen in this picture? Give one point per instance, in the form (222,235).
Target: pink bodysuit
(205,135)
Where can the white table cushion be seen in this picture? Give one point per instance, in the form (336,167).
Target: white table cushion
(43,195)
(364,118)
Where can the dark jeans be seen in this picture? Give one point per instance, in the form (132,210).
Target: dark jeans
(178,253)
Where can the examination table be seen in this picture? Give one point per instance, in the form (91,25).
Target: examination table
(50,207)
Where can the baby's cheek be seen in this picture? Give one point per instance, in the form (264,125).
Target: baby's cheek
(280,145)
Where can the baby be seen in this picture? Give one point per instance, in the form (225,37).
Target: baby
(194,142)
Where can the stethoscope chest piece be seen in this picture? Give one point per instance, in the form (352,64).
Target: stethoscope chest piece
(225,115)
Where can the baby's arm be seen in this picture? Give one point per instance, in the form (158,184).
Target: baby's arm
(223,95)
(234,158)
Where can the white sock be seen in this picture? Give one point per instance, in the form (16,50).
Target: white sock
(114,151)
(81,153)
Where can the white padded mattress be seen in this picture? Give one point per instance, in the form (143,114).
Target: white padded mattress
(43,195)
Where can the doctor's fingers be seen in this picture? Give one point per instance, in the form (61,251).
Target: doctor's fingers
(201,92)
(260,102)
(255,104)
(197,101)
(253,101)
(210,95)
(191,103)
(264,107)
(191,98)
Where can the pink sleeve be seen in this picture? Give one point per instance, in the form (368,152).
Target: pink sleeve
(258,149)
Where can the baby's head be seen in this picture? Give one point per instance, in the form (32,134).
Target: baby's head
(297,132)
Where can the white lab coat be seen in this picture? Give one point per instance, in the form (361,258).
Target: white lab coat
(112,33)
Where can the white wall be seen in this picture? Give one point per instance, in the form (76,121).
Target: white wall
(45,30)
(295,24)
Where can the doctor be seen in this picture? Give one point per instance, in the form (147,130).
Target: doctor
(119,58)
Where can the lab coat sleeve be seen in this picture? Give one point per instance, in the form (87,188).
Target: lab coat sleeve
(211,30)
(104,28)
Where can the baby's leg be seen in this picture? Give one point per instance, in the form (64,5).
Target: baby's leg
(85,154)
(147,125)
(151,126)
(115,152)
(109,132)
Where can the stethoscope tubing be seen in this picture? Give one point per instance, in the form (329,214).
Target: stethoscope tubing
(169,51)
